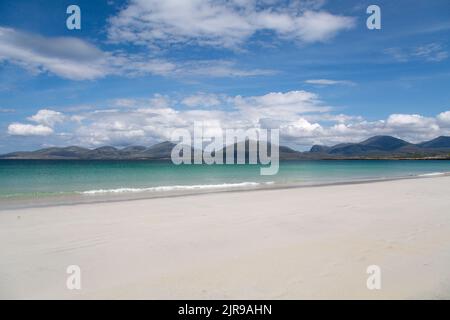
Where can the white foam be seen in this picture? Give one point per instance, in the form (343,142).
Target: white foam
(175,188)
(432,174)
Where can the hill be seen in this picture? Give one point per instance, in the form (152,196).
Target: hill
(378,147)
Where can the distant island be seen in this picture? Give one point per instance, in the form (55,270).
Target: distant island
(377,147)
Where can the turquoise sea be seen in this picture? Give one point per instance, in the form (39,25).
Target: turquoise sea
(39,178)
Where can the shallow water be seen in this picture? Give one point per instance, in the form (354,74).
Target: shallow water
(47,178)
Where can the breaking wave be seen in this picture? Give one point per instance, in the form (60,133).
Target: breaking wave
(176,188)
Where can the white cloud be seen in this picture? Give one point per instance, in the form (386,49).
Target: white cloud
(72,58)
(278,105)
(319,26)
(143,121)
(412,122)
(405,120)
(226,23)
(20,129)
(219,69)
(75,59)
(339,118)
(329,82)
(444,118)
(125,102)
(47,117)
(301,128)
(202,100)
(156,101)
(303,120)
(137,65)
(431,52)
(64,56)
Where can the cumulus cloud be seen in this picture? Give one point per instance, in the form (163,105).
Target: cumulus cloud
(47,117)
(444,119)
(144,121)
(301,116)
(278,105)
(147,125)
(409,120)
(415,126)
(20,129)
(222,23)
(301,128)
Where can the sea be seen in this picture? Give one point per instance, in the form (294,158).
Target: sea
(30,180)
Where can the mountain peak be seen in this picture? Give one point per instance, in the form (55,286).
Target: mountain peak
(387,143)
(439,142)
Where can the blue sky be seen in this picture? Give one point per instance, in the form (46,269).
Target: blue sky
(139,69)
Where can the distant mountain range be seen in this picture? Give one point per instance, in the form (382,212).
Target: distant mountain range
(378,147)
(386,146)
(158,151)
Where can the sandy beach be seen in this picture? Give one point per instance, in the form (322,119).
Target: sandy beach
(314,242)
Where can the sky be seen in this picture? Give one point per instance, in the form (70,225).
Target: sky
(139,69)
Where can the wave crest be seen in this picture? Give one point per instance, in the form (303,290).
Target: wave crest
(176,188)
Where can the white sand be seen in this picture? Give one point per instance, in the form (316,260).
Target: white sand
(271,244)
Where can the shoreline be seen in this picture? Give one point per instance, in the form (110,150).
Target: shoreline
(79,199)
(443,157)
(298,243)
